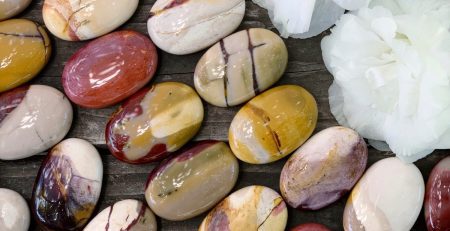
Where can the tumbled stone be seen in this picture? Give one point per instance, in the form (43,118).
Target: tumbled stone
(389,196)
(129,215)
(67,186)
(240,66)
(253,207)
(110,69)
(187,26)
(83,20)
(192,181)
(310,227)
(25,49)
(10,8)
(14,212)
(37,114)
(273,124)
(323,169)
(437,197)
(154,122)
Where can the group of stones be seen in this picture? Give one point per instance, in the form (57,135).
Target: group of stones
(157,121)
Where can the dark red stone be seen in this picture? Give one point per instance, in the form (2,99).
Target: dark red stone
(310,227)
(10,100)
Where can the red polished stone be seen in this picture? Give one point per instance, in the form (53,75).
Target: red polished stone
(437,197)
(310,227)
(109,69)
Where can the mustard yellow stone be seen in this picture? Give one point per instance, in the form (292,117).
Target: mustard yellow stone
(273,124)
(25,49)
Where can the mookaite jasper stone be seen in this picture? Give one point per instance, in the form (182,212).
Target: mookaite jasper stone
(82,20)
(14,212)
(127,215)
(67,186)
(273,124)
(154,122)
(240,66)
(107,70)
(193,181)
(323,169)
(389,196)
(25,49)
(250,208)
(310,227)
(187,26)
(10,8)
(32,119)
(437,197)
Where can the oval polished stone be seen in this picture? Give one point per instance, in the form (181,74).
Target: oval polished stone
(240,66)
(25,49)
(39,114)
(310,227)
(273,124)
(253,207)
(154,122)
(323,169)
(193,181)
(67,186)
(14,212)
(187,26)
(106,70)
(389,196)
(10,8)
(129,215)
(437,197)
(82,20)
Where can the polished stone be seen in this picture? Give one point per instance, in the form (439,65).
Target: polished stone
(310,227)
(10,8)
(14,212)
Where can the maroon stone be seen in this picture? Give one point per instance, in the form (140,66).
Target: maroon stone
(10,100)
(310,227)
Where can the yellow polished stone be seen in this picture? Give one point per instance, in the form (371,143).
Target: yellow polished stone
(273,124)
(25,49)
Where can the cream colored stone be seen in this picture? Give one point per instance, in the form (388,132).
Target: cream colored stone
(14,212)
(10,8)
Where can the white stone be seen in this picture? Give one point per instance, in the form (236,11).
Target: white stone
(14,212)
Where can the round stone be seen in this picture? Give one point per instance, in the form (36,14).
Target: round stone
(192,181)
(106,70)
(25,49)
(154,122)
(273,124)
(310,227)
(185,26)
(83,20)
(11,8)
(14,212)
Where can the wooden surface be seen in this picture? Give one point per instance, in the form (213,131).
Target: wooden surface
(122,181)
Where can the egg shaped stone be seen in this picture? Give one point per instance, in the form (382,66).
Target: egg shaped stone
(37,114)
(253,207)
(273,124)
(437,197)
(129,215)
(67,186)
(83,20)
(106,70)
(192,181)
(240,66)
(389,196)
(10,8)
(324,168)
(182,27)
(310,227)
(14,212)
(154,122)
(25,50)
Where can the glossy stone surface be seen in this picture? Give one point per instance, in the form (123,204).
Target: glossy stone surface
(106,70)
(25,49)
(187,26)
(193,181)
(240,66)
(38,114)
(253,207)
(323,169)
(14,212)
(82,20)
(67,186)
(273,124)
(154,122)
(129,215)
(437,197)
(310,227)
(10,8)
(389,196)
